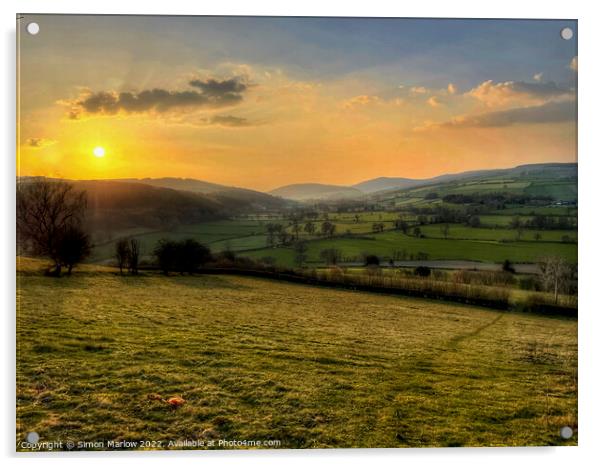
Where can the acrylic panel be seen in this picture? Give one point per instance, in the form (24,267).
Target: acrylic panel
(295,232)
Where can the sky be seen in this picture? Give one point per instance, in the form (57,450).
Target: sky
(263,102)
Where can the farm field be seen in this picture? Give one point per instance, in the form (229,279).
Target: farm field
(249,238)
(385,244)
(457,231)
(263,360)
(238,234)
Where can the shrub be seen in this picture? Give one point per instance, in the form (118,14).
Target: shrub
(73,246)
(227,255)
(528,283)
(422,271)
(371,259)
(165,255)
(507,267)
(181,256)
(481,277)
(540,302)
(191,255)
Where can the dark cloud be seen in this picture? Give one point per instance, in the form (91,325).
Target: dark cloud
(227,120)
(210,93)
(552,112)
(545,90)
(213,87)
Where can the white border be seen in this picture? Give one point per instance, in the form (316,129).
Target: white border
(590,225)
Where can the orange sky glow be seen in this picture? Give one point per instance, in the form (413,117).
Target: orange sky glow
(261,123)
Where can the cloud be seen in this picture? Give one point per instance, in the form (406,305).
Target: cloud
(451,89)
(361,100)
(39,143)
(551,112)
(434,101)
(573,65)
(209,93)
(212,87)
(538,77)
(517,93)
(418,90)
(227,121)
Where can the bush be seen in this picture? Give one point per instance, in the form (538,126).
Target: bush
(507,267)
(422,271)
(227,255)
(181,256)
(73,246)
(543,303)
(481,277)
(191,255)
(371,259)
(528,283)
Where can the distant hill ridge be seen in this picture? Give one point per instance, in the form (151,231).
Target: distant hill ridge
(309,191)
(319,191)
(387,183)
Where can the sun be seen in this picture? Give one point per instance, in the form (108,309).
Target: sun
(99,151)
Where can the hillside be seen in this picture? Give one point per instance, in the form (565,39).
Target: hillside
(557,181)
(181,184)
(383,183)
(316,191)
(542,170)
(115,205)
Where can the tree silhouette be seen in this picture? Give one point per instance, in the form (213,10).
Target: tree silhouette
(48,215)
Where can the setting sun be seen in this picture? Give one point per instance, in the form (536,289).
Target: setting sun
(99,151)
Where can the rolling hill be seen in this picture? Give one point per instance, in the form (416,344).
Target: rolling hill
(547,171)
(120,204)
(181,184)
(316,191)
(384,183)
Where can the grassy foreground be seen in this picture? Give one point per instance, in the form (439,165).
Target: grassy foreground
(258,360)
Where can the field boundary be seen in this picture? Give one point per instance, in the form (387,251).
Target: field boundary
(547,310)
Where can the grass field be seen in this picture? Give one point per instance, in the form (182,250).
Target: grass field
(237,234)
(457,231)
(384,244)
(258,360)
(249,238)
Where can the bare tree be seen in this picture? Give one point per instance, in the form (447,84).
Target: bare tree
(555,275)
(134,256)
(46,211)
(328,228)
(122,253)
(296,228)
(331,256)
(309,228)
(300,248)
